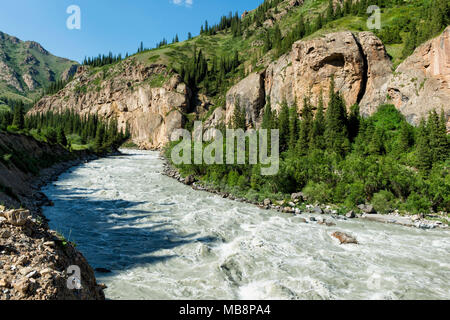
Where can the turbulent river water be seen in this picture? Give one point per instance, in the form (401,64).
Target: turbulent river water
(163,240)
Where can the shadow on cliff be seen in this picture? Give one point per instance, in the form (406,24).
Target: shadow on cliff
(114,235)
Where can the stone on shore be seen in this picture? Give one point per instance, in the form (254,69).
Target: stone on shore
(16,218)
(367,208)
(351,214)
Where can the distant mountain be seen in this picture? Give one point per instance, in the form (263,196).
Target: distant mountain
(26,68)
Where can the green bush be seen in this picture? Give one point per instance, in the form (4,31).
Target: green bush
(417,204)
(355,195)
(383,201)
(318,192)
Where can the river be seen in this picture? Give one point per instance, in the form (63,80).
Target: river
(163,240)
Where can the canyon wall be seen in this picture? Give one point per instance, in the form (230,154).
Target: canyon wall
(362,72)
(150,99)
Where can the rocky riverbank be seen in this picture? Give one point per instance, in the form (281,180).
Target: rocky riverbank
(297,206)
(34,260)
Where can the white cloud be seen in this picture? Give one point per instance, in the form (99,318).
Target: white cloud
(186,3)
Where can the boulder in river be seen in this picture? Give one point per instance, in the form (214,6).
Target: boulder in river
(344,238)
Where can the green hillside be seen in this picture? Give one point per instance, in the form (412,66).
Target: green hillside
(236,46)
(19,58)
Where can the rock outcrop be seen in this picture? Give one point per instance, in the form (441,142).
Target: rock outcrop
(213,121)
(279,82)
(379,71)
(363,74)
(248,94)
(308,68)
(35,262)
(422,82)
(316,61)
(344,238)
(9,77)
(69,72)
(151,100)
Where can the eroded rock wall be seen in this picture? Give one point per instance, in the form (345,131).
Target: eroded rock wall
(150,99)
(363,74)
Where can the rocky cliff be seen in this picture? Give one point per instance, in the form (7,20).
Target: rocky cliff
(422,82)
(151,100)
(362,71)
(34,260)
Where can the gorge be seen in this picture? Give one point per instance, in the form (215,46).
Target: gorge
(363,121)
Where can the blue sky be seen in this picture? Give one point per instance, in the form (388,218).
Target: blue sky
(110,25)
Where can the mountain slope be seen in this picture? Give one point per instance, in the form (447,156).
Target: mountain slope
(26,68)
(251,56)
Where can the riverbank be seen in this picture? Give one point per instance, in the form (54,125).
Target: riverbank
(297,207)
(34,260)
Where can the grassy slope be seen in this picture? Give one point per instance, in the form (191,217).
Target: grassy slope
(224,43)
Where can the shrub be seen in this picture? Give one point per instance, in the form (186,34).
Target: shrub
(355,195)
(383,201)
(417,204)
(318,192)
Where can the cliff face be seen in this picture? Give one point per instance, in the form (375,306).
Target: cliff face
(34,260)
(150,99)
(422,82)
(358,63)
(363,74)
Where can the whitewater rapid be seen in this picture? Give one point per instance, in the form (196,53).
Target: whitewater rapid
(164,240)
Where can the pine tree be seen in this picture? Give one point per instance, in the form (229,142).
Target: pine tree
(338,11)
(61,138)
(318,129)
(293,127)
(239,117)
(330,11)
(405,137)
(283,126)
(336,132)
(354,120)
(268,117)
(423,156)
(376,142)
(437,137)
(306,126)
(99,137)
(19,116)
(411,42)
